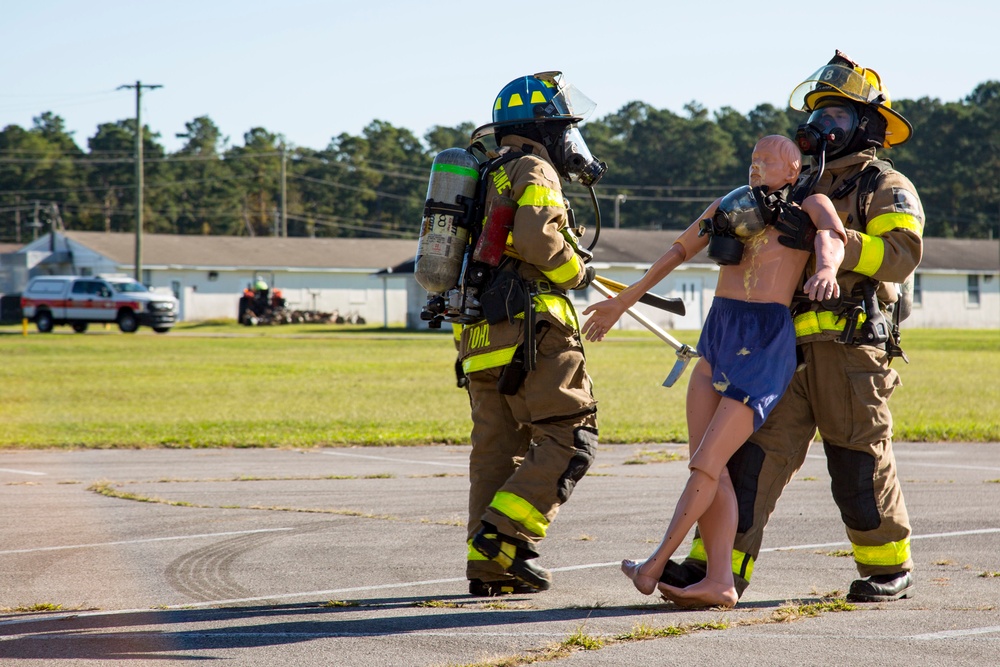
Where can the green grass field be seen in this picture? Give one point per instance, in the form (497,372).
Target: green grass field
(316,385)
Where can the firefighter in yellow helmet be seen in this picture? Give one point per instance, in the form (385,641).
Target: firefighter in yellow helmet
(844,382)
(534,432)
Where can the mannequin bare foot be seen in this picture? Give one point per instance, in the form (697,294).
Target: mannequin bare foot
(644,583)
(705,593)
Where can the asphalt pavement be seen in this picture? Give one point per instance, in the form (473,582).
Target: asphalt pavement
(356,557)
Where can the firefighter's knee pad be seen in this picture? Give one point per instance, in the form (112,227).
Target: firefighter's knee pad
(744,469)
(585,444)
(853,486)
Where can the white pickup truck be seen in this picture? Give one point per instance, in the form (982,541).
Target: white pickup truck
(80,300)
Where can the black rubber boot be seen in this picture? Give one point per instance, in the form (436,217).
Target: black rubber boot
(514,555)
(882,588)
(492,589)
(691,571)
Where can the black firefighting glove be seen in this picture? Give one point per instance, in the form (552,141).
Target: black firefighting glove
(797,229)
(588,277)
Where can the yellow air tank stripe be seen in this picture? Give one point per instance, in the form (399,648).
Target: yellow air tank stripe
(537,195)
(872,254)
(520,511)
(566,272)
(494,359)
(515,101)
(456,330)
(537,97)
(887,222)
(894,553)
(742,562)
(812,322)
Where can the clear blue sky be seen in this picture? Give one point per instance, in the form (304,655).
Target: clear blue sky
(312,70)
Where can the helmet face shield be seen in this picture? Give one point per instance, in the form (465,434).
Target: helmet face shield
(836,80)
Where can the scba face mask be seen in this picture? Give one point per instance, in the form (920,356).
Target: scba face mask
(830,127)
(741,214)
(577,161)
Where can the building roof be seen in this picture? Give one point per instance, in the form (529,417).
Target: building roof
(257,252)
(615,246)
(965,255)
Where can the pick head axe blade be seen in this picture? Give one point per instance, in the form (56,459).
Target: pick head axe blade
(684,356)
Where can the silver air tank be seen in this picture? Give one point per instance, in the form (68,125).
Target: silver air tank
(444,231)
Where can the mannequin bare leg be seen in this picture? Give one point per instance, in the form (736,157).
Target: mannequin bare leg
(731,424)
(718,530)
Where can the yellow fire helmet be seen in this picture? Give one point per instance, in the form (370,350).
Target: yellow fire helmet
(843,78)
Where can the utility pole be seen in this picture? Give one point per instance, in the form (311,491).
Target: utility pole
(284,193)
(619,200)
(138,85)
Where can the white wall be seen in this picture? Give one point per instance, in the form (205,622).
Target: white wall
(946,304)
(377,300)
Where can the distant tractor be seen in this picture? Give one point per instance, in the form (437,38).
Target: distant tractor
(262,304)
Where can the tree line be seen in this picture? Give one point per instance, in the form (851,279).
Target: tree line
(664,168)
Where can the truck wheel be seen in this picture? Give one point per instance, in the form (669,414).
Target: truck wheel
(79,327)
(127,321)
(43,320)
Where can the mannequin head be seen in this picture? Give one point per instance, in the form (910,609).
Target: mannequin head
(776,162)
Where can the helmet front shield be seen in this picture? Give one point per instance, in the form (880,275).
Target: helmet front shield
(568,101)
(837,80)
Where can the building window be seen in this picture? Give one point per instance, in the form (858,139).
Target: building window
(973,290)
(918,292)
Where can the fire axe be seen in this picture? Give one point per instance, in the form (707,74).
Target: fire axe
(685,353)
(671,305)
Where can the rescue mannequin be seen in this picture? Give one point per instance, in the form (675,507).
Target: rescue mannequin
(747,350)
(846,382)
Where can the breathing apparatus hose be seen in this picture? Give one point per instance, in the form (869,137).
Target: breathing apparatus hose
(597,218)
(803,192)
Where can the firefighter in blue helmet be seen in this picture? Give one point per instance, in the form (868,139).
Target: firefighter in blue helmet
(844,383)
(534,416)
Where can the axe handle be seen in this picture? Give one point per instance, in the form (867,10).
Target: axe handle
(670,305)
(641,319)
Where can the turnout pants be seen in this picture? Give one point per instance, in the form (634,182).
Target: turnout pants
(529,449)
(844,392)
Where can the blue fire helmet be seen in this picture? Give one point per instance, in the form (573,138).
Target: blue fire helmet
(540,97)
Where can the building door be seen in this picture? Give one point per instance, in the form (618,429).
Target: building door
(689,290)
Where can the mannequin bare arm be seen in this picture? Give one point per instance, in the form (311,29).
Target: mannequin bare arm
(829,247)
(604,314)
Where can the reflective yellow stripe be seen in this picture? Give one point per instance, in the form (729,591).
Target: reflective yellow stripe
(473,554)
(740,559)
(520,511)
(812,322)
(480,362)
(537,97)
(566,272)
(537,195)
(887,222)
(456,330)
(558,306)
(894,553)
(514,101)
(872,253)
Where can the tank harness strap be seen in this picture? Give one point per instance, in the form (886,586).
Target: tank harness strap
(866,182)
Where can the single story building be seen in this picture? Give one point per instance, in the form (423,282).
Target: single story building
(956,286)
